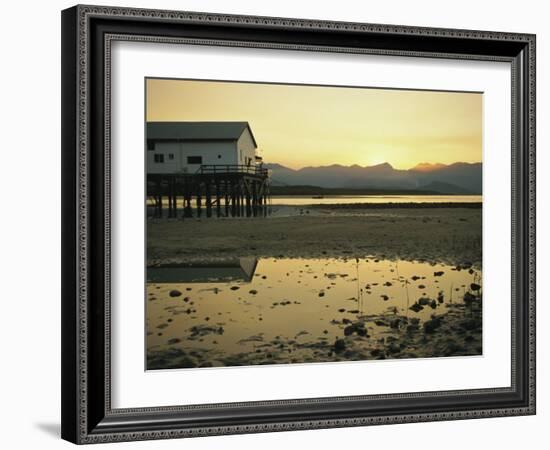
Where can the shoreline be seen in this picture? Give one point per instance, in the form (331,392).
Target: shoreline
(398,205)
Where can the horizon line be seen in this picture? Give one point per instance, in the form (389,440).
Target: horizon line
(386,163)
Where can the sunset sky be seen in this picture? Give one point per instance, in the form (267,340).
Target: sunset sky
(297,125)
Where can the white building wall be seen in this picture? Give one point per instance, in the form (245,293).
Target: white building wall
(211,152)
(247,149)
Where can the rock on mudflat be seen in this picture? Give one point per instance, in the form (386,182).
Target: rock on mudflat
(174,293)
(357,328)
(431,325)
(469,298)
(339,345)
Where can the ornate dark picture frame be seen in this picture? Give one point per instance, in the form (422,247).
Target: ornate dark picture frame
(87,34)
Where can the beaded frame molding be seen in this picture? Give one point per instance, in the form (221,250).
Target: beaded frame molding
(87,35)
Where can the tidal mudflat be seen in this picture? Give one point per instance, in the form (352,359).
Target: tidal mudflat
(316,309)
(424,232)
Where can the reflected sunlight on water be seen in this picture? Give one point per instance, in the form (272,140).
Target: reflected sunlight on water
(296,200)
(293,310)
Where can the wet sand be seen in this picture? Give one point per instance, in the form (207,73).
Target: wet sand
(446,235)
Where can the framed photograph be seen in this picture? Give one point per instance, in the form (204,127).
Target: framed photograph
(281,224)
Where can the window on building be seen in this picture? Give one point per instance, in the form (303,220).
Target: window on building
(194,160)
(150,144)
(170,156)
(219,156)
(159,158)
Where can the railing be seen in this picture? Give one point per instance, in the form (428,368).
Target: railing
(232,168)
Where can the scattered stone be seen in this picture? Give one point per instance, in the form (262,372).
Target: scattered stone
(254,338)
(339,345)
(438,274)
(416,307)
(421,286)
(393,348)
(395,323)
(234,288)
(349,330)
(173,341)
(431,325)
(387,283)
(321,294)
(253,291)
(475,287)
(469,298)
(203,330)
(384,297)
(174,293)
(424,301)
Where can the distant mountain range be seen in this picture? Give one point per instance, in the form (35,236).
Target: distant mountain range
(457,178)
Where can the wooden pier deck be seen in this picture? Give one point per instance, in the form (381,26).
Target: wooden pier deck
(220,190)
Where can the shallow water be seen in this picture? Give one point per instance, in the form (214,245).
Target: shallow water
(296,304)
(298,200)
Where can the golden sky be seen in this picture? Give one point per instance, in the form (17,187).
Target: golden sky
(297,125)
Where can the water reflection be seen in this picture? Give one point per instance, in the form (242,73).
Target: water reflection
(286,310)
(220,271)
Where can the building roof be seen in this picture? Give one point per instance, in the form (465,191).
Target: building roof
(197,131)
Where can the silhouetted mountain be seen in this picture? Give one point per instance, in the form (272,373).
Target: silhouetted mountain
(445,188)
(457,178)
(427,167)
